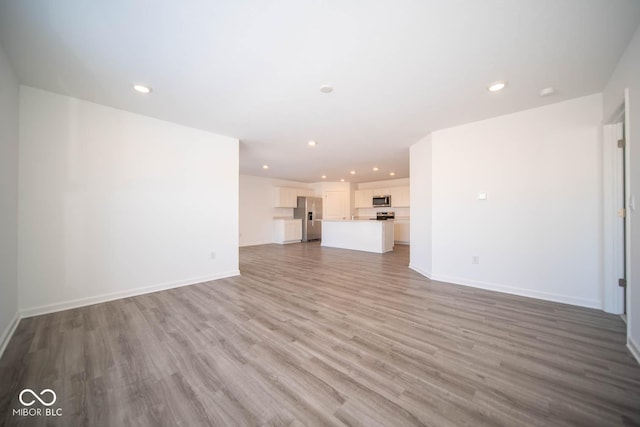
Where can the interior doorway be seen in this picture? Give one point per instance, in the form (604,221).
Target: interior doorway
(615,213)
(621,196)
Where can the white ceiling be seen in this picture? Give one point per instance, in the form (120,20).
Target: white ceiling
(252,69)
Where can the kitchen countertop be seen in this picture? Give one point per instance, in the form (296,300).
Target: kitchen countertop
(355,220)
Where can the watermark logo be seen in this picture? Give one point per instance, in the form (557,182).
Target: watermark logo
(46,398)
(35,397)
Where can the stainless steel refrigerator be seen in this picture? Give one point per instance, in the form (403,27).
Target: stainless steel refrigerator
(309,210)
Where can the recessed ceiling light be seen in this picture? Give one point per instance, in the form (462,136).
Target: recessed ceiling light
(341,179)
(392,173)
(496,86)
(312,143)
(375,169)
(326,89)
(142,88)
(547,91)
(265,166)
(324,176)
(352,172)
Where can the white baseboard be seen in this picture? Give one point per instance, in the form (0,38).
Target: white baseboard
(565,299)
(421,271)
(242,245)
(8,332)
(81,302)
(634,348)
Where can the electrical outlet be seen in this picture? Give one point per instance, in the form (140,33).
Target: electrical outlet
(213,255)
(475,259)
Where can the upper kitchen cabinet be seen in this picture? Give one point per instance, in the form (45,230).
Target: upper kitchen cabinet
(363,198)
(400,197)
(306,192)
(381,192)
(285,197)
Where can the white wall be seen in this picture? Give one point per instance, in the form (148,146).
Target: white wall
(113,203)
(256,208)
(627,75)
(9,103)
(539,232)
(420,165)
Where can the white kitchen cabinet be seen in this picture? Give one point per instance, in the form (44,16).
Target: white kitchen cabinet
(381,192)
(401,231)
(285,197)
(305,192)
(363,198)
(287,230)
(400,197)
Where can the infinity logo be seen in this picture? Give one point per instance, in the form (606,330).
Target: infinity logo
(36,397)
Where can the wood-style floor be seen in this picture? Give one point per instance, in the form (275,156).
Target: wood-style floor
(318,336)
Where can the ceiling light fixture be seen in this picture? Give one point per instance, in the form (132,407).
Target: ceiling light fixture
(494,87)
(326,88)
(547,91)
(375,169)
(352,172)
(324,176)
(392,173)
(341,179)
(312,143)
(265,166)
(141,88)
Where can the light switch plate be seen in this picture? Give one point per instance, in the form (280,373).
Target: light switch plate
(482,196)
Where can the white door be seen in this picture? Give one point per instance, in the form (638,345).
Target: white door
(335,205)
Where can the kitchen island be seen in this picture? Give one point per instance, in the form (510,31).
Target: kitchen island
(359,235)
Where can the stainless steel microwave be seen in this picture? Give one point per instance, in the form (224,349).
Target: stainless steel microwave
(381,201)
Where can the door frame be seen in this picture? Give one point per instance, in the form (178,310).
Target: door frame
(613,295)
